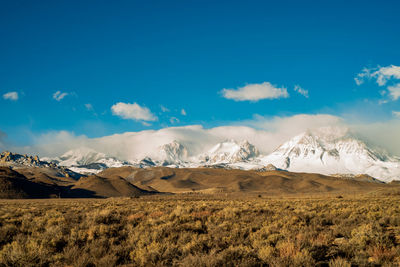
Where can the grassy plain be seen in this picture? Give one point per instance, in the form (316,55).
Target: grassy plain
(202,230)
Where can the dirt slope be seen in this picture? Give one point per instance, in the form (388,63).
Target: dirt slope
(108,187)
(220,180)
(132,182)
(15,185)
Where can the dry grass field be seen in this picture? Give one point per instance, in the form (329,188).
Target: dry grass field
(202,230)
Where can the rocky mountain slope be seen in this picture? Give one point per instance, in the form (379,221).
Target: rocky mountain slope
(8,158)
(17,161)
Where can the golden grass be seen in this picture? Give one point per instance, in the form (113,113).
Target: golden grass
(197,230)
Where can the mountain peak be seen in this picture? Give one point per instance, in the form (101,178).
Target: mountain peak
(173,152)
(8,158)
(87,160)
(332,150)
(324,150)
(230,151)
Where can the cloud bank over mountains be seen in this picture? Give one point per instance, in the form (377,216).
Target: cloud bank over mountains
(263,132)
(266,133)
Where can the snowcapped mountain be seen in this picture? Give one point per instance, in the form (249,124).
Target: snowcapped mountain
(331,151)
(86,160)
(230,151)
(173,152)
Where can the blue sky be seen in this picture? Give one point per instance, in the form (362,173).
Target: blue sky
(166,56)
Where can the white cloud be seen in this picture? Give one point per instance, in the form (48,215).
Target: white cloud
(281,129)
(365,73)
(174,120)
(58,96)
(394,91)
(396,113)
(381,74)
(382,134)
(255,92)
(89,106)
(164,109)
(302,91)
(183,112)
(384,74)
(133,112)
(11,96)
(145,123)
(266,133)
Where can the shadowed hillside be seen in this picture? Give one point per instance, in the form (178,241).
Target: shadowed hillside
(108,187)
(48,183)
(38,182)
(15,185)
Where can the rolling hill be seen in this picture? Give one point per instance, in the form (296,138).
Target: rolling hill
(209,180)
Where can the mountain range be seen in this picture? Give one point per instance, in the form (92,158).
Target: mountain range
(329,151)
(327,161)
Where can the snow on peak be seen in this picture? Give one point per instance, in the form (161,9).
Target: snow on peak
(173,152)
(327,150)
(328,142)
(330,133)
(332,150)
(230,151)
(80,156)
(87,160)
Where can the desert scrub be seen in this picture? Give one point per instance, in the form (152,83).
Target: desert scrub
(201,230)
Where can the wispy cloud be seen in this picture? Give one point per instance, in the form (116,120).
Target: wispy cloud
(364,74)
(266,133)
(394,91)
(396,114)
(89,106)
(255,92)
(164,109)
(300,90)
(174,120)
(133,112)
(58,96)
(382,75)
(13,96)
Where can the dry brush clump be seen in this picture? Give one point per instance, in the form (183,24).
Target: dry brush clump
(201,231)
